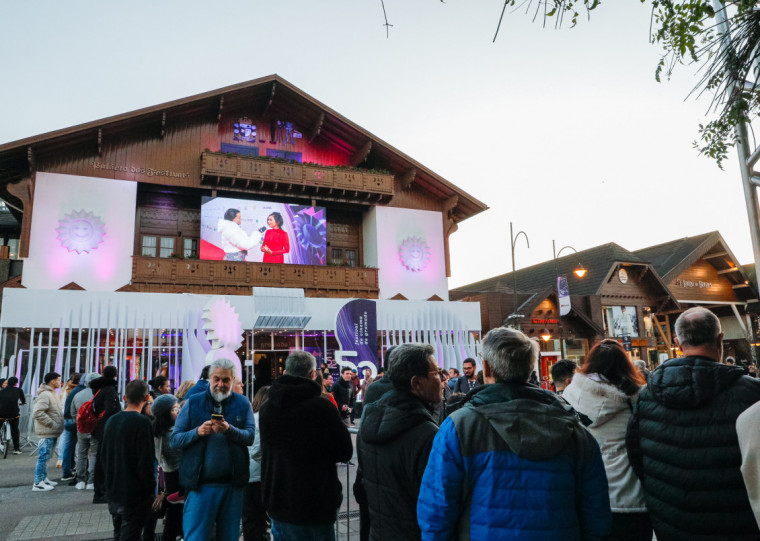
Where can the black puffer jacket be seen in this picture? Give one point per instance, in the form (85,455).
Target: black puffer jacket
(682,444)
(394,442)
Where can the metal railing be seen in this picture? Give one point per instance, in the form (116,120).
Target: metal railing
(347,524)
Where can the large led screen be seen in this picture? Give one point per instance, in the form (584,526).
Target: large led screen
(262,232)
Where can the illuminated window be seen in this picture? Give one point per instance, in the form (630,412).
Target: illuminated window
(149,246)
(167,247)
(190,248)
(13,245)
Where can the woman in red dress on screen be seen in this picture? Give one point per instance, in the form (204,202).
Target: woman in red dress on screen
(276,241)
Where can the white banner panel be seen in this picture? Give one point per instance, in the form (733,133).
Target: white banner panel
(407,247)
(83,231)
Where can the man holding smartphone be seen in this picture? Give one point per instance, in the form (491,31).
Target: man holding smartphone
(214,430)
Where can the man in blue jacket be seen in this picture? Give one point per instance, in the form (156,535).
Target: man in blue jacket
(514,462)
(214,430)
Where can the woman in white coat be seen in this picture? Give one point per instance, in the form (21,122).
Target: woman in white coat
(235,241)
(605,390)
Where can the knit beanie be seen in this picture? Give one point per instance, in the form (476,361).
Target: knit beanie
(163,404)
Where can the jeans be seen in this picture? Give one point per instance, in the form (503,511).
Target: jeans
(132,523)
(46,451)
(285,531)
(213,508)
(68,444)
(87,450)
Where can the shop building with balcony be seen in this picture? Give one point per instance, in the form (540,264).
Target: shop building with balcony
(634,297)
(116,227)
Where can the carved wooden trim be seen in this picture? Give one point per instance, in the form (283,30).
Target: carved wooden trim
(24,190)
(361,154)
(406,178)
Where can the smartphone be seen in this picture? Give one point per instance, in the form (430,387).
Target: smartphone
(217,417)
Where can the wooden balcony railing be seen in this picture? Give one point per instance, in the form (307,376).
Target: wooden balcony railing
(170,274)
(257,174)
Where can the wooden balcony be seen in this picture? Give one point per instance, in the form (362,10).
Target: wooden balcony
(170,275)
(261,175)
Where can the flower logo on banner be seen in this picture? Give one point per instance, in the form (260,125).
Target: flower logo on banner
(414,253)
(223,328)
(81,231)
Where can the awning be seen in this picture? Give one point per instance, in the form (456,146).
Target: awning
(279,309)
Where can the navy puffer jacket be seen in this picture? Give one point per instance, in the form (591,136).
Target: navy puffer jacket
(682,444)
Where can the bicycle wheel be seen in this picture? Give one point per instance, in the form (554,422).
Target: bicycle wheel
(4,440)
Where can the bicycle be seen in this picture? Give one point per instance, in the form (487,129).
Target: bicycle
(5,437)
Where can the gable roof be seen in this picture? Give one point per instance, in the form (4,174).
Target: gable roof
(598,261)
(271,93)
(672,258)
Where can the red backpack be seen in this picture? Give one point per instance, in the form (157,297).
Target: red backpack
(87,421)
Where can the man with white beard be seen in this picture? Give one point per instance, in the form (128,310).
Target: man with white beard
(214,430)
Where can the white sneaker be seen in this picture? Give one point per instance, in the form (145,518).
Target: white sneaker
(16,452)
(41,487)
(90,486)
(80,485)
(49,482)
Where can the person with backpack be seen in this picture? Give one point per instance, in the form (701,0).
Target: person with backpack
(105,404)
(87,447)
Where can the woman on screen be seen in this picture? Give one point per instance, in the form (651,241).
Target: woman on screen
(276,241)
(235,241)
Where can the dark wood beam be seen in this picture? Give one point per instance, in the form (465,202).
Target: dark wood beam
(269,102)
(361,154)
(316,128)
(726,271)
(449,205)
(716,254)
(406,178)
(30,159)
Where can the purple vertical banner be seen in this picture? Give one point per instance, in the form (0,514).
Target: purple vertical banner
(356,330)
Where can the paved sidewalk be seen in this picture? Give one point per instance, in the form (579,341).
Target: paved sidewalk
(67,514)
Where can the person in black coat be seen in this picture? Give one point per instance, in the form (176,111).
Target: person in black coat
(343,393)
(466,383)
(302,440)
(10,397)
(395,438)
(682,440)
(105,404)
(128,458)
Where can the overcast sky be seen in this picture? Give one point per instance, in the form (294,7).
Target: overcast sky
(563,132)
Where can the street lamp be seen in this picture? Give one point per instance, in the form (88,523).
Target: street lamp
(580,272)
(545,335)
(513,239)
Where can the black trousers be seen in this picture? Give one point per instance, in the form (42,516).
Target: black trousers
(173,519)
(14,432)
(630,527)
(132,523)
(255,519)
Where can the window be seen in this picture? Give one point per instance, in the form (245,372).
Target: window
(351,258)
(13,245)
(167,247)
(190,248)
(337,255)
(149,246)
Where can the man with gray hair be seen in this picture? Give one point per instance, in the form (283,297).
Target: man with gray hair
(682,441)
(302,439)
(394,442)
(214,430)
(514,462)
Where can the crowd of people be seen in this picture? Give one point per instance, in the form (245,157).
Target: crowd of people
(614,453)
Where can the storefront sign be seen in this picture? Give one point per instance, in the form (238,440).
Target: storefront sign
(538,321)
(693,284)
(148,171)
(627,343)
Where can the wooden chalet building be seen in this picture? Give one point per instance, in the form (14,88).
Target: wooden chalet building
(634,297)
(116,226)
